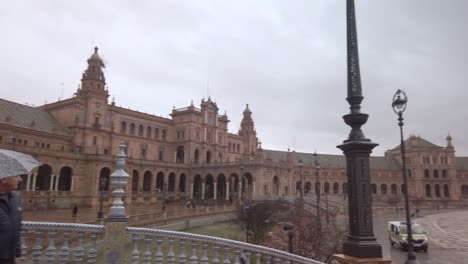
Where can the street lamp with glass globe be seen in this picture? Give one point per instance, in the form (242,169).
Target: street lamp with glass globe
(399,106)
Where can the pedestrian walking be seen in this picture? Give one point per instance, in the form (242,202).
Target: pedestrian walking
(12,165)
(75,211)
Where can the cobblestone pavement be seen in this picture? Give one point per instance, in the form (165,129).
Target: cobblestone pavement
(447,230)
(447,233)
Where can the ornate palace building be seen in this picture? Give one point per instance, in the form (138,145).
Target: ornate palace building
(192,155)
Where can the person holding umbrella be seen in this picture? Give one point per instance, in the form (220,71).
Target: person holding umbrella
(12,165)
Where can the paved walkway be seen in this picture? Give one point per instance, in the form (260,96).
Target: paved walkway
(447,230)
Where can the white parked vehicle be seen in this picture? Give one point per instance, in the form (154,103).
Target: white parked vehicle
(398,235)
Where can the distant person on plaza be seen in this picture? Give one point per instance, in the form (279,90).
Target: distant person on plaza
(13,164)
(75,211)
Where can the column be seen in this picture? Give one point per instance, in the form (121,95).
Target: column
(227,190)
(57,180)
(240,189)
(28,182)
(215,190)
(72,183)
(203,191)
(51,183)
(191,190)
(253,191)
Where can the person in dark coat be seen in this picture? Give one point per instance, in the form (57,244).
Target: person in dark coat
(10,220)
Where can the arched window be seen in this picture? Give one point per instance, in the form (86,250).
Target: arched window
(123,127)
(444,173)
(446,190)
(426,173)
(409,173)
(428,190)
(132,129)
(374,188)
(345,188)
(140,130)
(383,189)
(326,188)
(393,189)
(208,157)
(464,190)
(148,132)
(336,187)
(436,173)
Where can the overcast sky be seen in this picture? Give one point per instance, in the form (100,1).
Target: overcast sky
(286,59)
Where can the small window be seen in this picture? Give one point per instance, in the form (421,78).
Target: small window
(140,130)
(156,133)
(148,132)
(132,129)
(94,140)
(163,134)
(123,127)
(48,146)
(96,120)
(106,152)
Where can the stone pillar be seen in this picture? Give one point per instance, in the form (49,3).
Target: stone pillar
(240,189)
(51,183)
(57,180)
(227,190)
(215,190)
(253,191)
(203,191)
(117,220)
(28,182)
(191,190)
(33,187)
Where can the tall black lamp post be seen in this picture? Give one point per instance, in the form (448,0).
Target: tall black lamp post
(302,180)
(360,242)
(102,185)
(399,105)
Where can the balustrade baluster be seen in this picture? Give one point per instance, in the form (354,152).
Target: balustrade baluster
(193,257)
(147,253)
(135,252)
(276,260)
(51,248)
(79,250)
(92,249)
(36,255)
(159,256)
(204,259)
(24,247)
(170,254)
(215,254)
(258,258)
(247,257)
(65,249)
(236,256)
(267,259)
(227,252)
(182,256)
(287,262)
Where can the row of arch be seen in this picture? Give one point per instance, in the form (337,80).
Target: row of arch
(44,180)
(435,173)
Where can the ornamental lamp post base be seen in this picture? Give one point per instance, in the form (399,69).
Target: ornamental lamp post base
(343,259)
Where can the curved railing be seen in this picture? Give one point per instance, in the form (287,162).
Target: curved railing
(64,242)
(221,250)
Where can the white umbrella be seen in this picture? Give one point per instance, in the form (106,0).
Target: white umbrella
(14,163)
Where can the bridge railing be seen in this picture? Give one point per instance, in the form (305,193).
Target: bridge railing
(44,242)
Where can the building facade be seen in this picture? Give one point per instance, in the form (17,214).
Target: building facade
(192,155)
